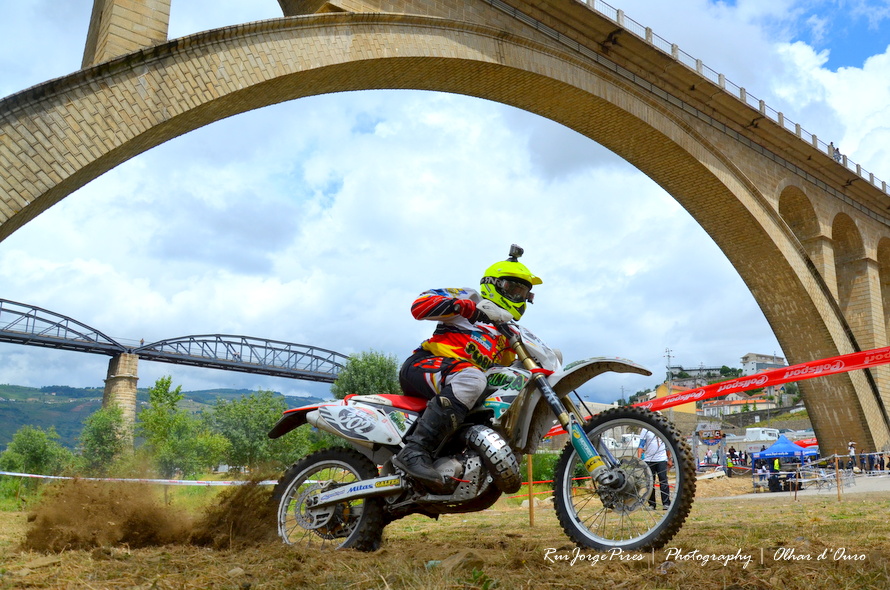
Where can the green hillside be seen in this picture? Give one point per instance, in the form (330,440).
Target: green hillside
(66,408)
(67,417)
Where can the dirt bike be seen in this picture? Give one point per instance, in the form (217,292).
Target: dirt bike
(339,497)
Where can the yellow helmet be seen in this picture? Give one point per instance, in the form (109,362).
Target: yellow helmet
(508,284)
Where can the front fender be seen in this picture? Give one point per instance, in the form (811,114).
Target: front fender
(576,374)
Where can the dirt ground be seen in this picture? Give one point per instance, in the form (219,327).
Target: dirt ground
(88,536)
(720,487)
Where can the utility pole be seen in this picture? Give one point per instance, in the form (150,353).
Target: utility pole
(670,381)
(667,354)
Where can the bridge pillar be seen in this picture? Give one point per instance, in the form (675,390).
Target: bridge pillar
(118,27)
(821,251)
(120,385)
(865,315)
(860,301)
(300,7)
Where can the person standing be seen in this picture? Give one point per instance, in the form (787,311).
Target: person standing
(653,451)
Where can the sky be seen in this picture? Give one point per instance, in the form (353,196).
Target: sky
(318,221)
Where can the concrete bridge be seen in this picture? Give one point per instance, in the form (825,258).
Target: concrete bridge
(808,234)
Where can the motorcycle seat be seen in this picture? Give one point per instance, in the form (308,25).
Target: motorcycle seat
(402,402)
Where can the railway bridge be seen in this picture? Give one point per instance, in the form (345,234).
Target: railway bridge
(808,231)
(33,326)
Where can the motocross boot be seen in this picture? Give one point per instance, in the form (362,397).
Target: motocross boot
(439,421)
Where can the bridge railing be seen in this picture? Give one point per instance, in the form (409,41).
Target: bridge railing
(33,326)
(26,324)
(739,92)
(246,354)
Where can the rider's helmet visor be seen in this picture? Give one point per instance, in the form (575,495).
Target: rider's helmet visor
(514,290)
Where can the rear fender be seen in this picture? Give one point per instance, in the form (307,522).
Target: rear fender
(295,418)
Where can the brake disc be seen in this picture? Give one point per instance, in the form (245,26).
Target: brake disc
(634,493)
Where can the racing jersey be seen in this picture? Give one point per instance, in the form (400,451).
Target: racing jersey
(479,344)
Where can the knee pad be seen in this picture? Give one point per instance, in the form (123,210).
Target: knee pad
(466,386)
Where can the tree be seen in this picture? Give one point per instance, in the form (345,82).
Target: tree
(728,372)
(644,393)
(245,423)
(104,438)
(34,450)
(792,390)
(368,372)
(176,440)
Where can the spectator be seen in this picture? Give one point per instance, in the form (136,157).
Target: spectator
(653,451)
(761,469)
(834,152)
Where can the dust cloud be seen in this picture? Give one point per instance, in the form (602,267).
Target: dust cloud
(79,514)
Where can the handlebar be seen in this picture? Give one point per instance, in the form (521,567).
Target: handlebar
(505,328)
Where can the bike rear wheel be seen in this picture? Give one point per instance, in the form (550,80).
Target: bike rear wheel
(622,516)
(351,524)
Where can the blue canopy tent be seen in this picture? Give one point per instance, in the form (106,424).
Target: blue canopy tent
(782,448)
(785,448)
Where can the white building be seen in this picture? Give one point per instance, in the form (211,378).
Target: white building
(723,407)
(755,363)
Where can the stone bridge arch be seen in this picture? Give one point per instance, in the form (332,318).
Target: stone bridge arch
(797,210)
(883,259)
(58,136)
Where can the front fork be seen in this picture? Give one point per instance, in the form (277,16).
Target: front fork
(593,461)
(594,464)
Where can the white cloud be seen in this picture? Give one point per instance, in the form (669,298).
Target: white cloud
(319,220)
(818,27)
(874,11)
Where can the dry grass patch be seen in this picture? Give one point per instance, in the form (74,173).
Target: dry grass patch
(782,540)
(723,486)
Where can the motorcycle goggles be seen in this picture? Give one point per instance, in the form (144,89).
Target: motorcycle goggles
(515,290)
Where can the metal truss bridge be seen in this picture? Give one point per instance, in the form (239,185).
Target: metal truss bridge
(33,326)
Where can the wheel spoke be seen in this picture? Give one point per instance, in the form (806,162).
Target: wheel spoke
(631,515)
(345,524)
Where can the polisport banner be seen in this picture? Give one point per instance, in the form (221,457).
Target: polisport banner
(829,366)
(820,368)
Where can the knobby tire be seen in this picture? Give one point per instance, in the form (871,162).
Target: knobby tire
(356,524)
(597,518)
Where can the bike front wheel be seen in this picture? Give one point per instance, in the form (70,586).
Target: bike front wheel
(647,501)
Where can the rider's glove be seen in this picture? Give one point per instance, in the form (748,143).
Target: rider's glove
(493,312)
(466,308)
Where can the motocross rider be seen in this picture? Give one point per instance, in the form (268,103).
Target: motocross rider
(448,368)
